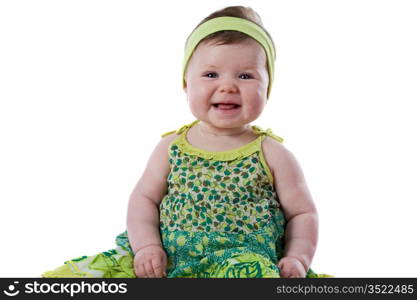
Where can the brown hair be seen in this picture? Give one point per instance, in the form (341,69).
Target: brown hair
(229,36)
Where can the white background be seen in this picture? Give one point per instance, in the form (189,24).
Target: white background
(87,87)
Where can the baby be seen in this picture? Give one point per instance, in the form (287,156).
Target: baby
(219,197)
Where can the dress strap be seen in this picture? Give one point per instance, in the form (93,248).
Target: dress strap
(181,130)
(267,132)
(168,133)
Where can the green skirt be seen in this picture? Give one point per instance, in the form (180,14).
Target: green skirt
(190,255)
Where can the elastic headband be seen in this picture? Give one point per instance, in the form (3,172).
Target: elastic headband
(236,24)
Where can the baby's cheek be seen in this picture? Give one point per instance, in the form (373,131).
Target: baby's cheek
(255,108)
(198,106)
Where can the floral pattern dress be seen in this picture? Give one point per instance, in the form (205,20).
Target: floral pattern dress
(220,218)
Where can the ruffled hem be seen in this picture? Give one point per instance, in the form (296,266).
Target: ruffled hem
(238,153)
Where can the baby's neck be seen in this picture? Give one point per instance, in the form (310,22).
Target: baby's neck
(212,131)
(222,139)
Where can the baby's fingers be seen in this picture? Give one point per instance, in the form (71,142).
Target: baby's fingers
(296,273)
(284,273)
(159,266)
(140,270)
(284,270)
(149,270)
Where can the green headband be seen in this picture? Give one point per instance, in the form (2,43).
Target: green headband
(236,24)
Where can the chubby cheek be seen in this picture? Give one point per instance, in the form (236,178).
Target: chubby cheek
(199,97)
(195,107)
(257,103)
(254,109)
(198,104)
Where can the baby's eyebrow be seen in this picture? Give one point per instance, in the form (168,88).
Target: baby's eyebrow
(251,67)
(210,66)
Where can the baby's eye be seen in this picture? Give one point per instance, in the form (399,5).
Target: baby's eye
(245,76)
(211,75)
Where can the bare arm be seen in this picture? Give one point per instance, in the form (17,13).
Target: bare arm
(143,208)
(301,233)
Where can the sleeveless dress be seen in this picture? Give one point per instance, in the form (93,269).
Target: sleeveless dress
(220,218)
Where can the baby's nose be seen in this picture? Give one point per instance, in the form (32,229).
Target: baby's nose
(228,86)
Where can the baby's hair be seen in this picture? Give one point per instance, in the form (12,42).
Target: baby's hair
(226,37)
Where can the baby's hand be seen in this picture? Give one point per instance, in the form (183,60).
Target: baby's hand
(150,262)
(291,267)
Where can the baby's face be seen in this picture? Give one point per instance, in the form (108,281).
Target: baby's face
(226,85)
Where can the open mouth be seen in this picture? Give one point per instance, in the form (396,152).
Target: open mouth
(226,106)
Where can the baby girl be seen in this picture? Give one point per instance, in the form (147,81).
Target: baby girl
(219,197)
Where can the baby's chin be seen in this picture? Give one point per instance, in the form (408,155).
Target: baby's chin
(234,121)
(223,123)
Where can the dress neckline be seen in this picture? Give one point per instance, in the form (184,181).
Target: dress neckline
(240,149)
(228,155)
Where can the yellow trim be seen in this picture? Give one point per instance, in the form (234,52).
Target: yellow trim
(228,155)
(265,165)
(167,133)
(243,151)
(268,132)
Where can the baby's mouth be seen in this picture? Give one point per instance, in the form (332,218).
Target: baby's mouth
(226,106)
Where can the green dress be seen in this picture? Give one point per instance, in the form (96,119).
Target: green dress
(220,218)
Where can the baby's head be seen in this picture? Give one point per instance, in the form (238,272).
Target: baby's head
(228,67)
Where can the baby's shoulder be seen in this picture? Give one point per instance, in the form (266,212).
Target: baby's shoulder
(167,139)
(162,146)
(272,147)
(275,153)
